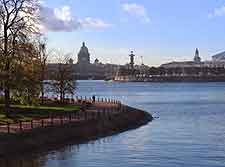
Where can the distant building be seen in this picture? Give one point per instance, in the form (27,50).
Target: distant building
(220,57)
(183,64)
(84,69)
(83,56)
(183,71)
(218,60)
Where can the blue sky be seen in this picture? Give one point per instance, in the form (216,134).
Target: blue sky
(158,30)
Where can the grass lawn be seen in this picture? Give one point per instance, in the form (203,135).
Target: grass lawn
(64,108)
(33,112)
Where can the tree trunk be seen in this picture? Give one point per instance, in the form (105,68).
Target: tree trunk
(7,67)
(7,88)
(61,95)
(42,93)
(7,98)
(42,83)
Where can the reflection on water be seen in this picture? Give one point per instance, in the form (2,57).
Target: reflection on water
(190,130)
(45,158)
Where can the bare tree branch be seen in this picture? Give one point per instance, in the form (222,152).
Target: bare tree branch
(17,21)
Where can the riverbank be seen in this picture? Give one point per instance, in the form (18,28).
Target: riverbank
(75,132)
(162,79)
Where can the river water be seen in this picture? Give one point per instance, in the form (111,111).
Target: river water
(189,130)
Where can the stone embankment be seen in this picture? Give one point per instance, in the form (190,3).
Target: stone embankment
(99,121)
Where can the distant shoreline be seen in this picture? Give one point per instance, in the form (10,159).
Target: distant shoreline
(174,79)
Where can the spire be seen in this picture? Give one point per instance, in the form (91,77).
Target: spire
(196,52)
(83,44)
(197,58)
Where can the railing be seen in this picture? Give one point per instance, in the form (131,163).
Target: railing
(90,99)
(99,113)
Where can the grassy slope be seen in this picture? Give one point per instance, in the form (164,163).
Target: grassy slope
(64,108)
(36,112)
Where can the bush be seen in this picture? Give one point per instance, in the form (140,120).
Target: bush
(2,100)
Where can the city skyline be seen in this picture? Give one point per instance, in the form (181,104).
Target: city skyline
(159,31)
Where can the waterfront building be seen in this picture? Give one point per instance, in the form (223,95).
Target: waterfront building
(217,61)
(196,70)
(84,69)
(83,56)
(185,64)
(220,57)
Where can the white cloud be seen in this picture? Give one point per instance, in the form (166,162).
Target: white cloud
(61,19)
(218,12)
(58,19)
(63,13)
(93,23)
(136,10)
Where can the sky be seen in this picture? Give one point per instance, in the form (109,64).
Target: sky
(157,30)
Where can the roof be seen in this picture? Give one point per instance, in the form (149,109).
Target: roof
(219,56)
(181,64)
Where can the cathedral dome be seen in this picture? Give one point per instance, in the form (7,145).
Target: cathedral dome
(84,49)
(83,55)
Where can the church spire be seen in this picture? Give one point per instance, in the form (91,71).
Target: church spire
(197,52)
(197,58)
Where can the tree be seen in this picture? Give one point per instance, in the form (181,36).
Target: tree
(63,79)
(17,21)
(26,74)
(43,57)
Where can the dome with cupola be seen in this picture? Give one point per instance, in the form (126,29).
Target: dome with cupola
(83,55)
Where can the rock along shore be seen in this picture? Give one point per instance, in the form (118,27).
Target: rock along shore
(42,139)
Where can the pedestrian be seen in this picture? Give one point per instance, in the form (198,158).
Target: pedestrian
(93,98)
(84,106)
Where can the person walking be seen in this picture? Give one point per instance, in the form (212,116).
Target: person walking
(93,98)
